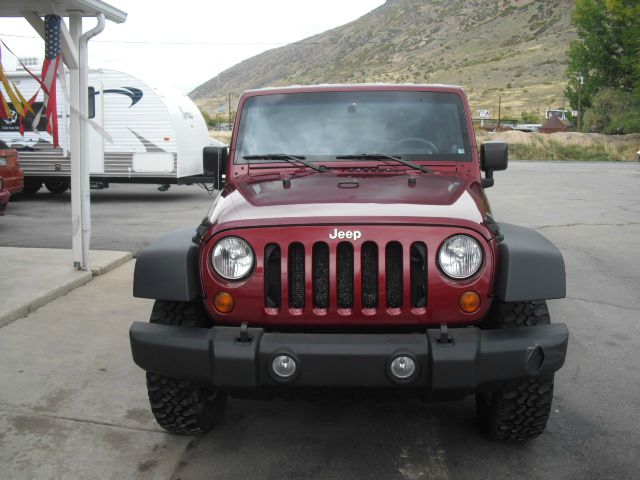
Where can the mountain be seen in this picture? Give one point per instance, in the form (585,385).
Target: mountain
(513,49)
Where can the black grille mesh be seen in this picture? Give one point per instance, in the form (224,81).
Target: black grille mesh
(272,290)
(394,274)
(321,275)
(418,274)
(345,275)
(296,275)
(369,275)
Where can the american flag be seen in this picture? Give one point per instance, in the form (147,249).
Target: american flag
(49,75)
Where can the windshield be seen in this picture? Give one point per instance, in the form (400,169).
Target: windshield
(325,125)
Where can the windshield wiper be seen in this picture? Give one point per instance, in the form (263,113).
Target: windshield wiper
(383,156)
(286,158)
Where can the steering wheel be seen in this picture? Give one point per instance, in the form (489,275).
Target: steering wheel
(430,146)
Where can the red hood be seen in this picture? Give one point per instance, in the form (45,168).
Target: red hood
(331,198)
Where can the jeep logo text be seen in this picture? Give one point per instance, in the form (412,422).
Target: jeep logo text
(352,234)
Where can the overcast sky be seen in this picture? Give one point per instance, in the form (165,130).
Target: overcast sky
(228,32)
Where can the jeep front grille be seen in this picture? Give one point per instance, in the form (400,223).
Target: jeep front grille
(347,277)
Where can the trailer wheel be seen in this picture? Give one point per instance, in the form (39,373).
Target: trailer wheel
(181,406)
(519,410)
(31,187)
(57,186)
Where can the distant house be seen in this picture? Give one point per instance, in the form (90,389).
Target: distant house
(553,125)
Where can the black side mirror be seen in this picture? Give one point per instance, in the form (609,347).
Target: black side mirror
(493,156)
(214,164)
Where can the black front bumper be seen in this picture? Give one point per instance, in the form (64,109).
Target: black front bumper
(472,359)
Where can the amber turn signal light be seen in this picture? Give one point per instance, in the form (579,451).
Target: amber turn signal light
(469,302)
(223,302)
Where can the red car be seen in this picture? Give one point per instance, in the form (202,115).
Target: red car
(10,170)
(4,197)
(352,247)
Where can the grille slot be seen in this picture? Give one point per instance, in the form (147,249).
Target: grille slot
(320,266)
(345,275)
(393,262)
(369,275)
(418,274)
(272,277)
(296,275)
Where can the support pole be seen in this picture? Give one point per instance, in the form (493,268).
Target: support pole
(85,192)
(80,260)
(85,185)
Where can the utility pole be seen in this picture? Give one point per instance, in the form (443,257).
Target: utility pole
(229,109)
(581,78)
(499,111)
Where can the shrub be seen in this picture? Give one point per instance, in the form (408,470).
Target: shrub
(613,112)
(529,117)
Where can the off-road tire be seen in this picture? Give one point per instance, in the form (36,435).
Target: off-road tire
(57,186)
(31,188)
(181,406)
(519,410)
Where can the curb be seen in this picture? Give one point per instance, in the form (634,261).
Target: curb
(102,269)
(110,261)
(46,297)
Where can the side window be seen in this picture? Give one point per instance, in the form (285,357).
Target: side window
(92,102)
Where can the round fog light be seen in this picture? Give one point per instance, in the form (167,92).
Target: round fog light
(403,367)
(284,366)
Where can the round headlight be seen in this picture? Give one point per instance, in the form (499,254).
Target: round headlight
(460,256)
(232,258)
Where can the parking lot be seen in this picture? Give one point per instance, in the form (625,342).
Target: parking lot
(73,404)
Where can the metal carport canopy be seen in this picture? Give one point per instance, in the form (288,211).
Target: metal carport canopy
(75,57)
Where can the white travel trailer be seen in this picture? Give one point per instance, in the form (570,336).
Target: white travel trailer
(157,135)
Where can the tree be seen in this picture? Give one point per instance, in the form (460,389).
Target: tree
(613,112)
(207,118)
(607,52)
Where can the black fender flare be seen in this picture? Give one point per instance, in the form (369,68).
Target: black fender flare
(168,268)
(530,267)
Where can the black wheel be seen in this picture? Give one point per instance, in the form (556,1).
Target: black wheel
(31,188)
(57,186)
(181,406)
(519,410)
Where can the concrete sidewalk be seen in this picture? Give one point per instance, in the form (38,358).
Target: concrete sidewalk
(32,277)
(73,405)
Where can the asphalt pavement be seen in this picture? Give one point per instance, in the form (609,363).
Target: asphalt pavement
(124,217)
(73,405)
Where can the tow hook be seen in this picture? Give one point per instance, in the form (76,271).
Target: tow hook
(244,338)
(445,340)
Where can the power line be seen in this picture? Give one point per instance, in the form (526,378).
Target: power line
(160,42)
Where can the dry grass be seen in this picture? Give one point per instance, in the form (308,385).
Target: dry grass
(223,136)
(555,146)
(566,145)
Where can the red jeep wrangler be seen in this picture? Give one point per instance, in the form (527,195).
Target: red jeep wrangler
(351,246)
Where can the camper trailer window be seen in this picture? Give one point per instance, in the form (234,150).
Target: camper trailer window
(92,102)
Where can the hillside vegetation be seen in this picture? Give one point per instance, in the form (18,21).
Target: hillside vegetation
(510,48)
(566,145)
